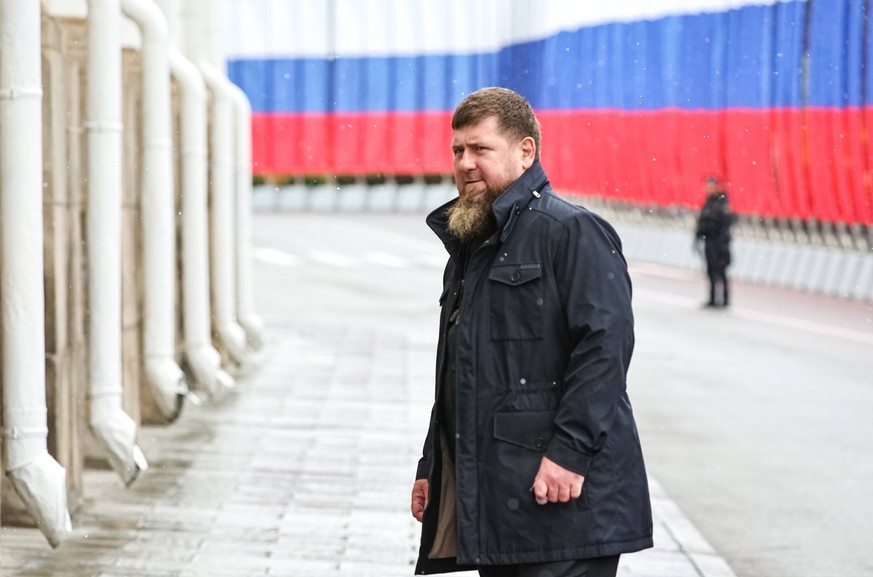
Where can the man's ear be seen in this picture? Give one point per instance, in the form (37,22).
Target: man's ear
(528,151)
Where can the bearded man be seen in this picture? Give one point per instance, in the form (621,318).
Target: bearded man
(532,465)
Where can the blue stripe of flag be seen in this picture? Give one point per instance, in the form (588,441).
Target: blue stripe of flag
(749,57)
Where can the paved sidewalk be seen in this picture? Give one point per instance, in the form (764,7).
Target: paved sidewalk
(304,470)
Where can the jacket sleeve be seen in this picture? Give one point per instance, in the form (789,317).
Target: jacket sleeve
(427,450)
(595,290)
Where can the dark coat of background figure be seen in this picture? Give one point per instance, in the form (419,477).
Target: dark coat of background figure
(714,230)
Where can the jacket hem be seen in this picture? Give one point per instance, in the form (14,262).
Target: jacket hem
(594,551)
(446,565)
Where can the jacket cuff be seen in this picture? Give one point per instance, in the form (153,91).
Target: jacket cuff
(421,472)
(565,455)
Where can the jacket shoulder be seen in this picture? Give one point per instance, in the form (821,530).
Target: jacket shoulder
(570,215)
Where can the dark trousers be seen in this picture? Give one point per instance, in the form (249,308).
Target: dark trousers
(717,279)
(599,567)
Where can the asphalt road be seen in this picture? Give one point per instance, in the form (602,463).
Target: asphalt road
(758,420)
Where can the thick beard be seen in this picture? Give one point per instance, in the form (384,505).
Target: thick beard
(471,216)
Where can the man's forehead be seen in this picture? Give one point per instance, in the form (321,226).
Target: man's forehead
(485,128)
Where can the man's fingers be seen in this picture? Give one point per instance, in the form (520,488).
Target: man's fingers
(418,507)
(555,484)
(554,493)
(419,499)
(576,491)
(540,491)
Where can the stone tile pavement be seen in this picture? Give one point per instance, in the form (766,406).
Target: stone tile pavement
(303,470)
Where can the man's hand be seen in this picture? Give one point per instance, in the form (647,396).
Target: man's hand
(419,499)
(554,483)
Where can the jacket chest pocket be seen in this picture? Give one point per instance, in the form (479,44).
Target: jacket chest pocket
(516,307)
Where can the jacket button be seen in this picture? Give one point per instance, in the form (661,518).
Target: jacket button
(539,442)
(515,276)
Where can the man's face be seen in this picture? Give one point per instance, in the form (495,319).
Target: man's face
(485,160)
(711,187)
(486,163)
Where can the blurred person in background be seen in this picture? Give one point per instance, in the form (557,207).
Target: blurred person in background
(532,463)
(714,233)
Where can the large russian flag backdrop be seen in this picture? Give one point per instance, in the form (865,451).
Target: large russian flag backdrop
(639,100)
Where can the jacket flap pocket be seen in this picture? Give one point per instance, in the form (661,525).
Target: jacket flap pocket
(516,274)
(531,430)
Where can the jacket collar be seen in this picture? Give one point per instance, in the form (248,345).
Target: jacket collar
(506,208)
(438,221)
(519,195)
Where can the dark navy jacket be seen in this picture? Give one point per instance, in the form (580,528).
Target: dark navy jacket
(544,342)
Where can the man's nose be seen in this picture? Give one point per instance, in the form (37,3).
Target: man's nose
(466,161)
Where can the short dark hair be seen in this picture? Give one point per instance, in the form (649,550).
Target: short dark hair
(514,114)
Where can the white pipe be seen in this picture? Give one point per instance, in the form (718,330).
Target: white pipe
(242,187)
(248,318)
(203,359)
(230,333)
(158,211)
(111,425)
(172,10)
(39,480)
(223,235)
(213,54)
